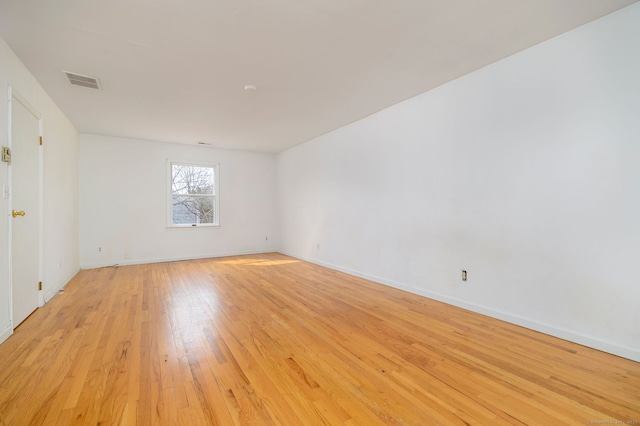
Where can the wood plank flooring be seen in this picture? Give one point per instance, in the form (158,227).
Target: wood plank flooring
(268,339)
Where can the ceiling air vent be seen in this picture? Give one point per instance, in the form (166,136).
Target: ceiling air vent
(82,80)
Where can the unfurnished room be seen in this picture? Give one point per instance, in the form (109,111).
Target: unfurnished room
(411,212)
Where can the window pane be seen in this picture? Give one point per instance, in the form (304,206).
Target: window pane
(192,195)
(190,209)
(186,179)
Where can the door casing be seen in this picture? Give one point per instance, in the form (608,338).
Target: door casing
(16,97)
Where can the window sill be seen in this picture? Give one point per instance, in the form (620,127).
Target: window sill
(198,226)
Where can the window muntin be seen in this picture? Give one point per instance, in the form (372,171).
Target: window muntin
(193,195)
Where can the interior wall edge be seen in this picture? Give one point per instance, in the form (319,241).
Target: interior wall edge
(5,334)
(588,341)
(50,294)
(173,259)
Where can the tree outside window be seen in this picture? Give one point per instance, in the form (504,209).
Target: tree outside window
(193,195)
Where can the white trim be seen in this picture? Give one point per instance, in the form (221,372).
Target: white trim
(9,228)
(174,259)
(51,293)
(197,226)
(41,299)
(602,345)
(6,333)
(9,209)
(26,104)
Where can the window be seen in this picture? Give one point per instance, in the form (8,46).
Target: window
(193,195)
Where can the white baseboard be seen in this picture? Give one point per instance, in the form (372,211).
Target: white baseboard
(612,348)
(6,333)
(51,292)
(172,259)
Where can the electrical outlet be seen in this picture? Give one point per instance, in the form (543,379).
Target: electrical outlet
(318,247)
(99,249)
(266,238)
(464,275)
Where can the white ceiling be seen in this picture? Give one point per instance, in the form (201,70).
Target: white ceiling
(174,70)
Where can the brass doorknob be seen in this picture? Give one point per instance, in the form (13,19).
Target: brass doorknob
(17,213)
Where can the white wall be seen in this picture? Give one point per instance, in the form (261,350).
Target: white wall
(123,203)
(60,168)
(525,173)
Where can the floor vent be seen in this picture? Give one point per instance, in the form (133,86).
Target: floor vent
(82,80)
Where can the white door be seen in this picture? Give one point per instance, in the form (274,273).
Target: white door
(25,206)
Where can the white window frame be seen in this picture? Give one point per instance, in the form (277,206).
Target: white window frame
(216,195)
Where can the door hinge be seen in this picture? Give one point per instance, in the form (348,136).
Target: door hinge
(39,285)
(6,154)
(40,140)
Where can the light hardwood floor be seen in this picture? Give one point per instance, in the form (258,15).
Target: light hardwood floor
(268,339)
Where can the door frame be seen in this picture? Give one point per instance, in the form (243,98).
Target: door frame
(14,96)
